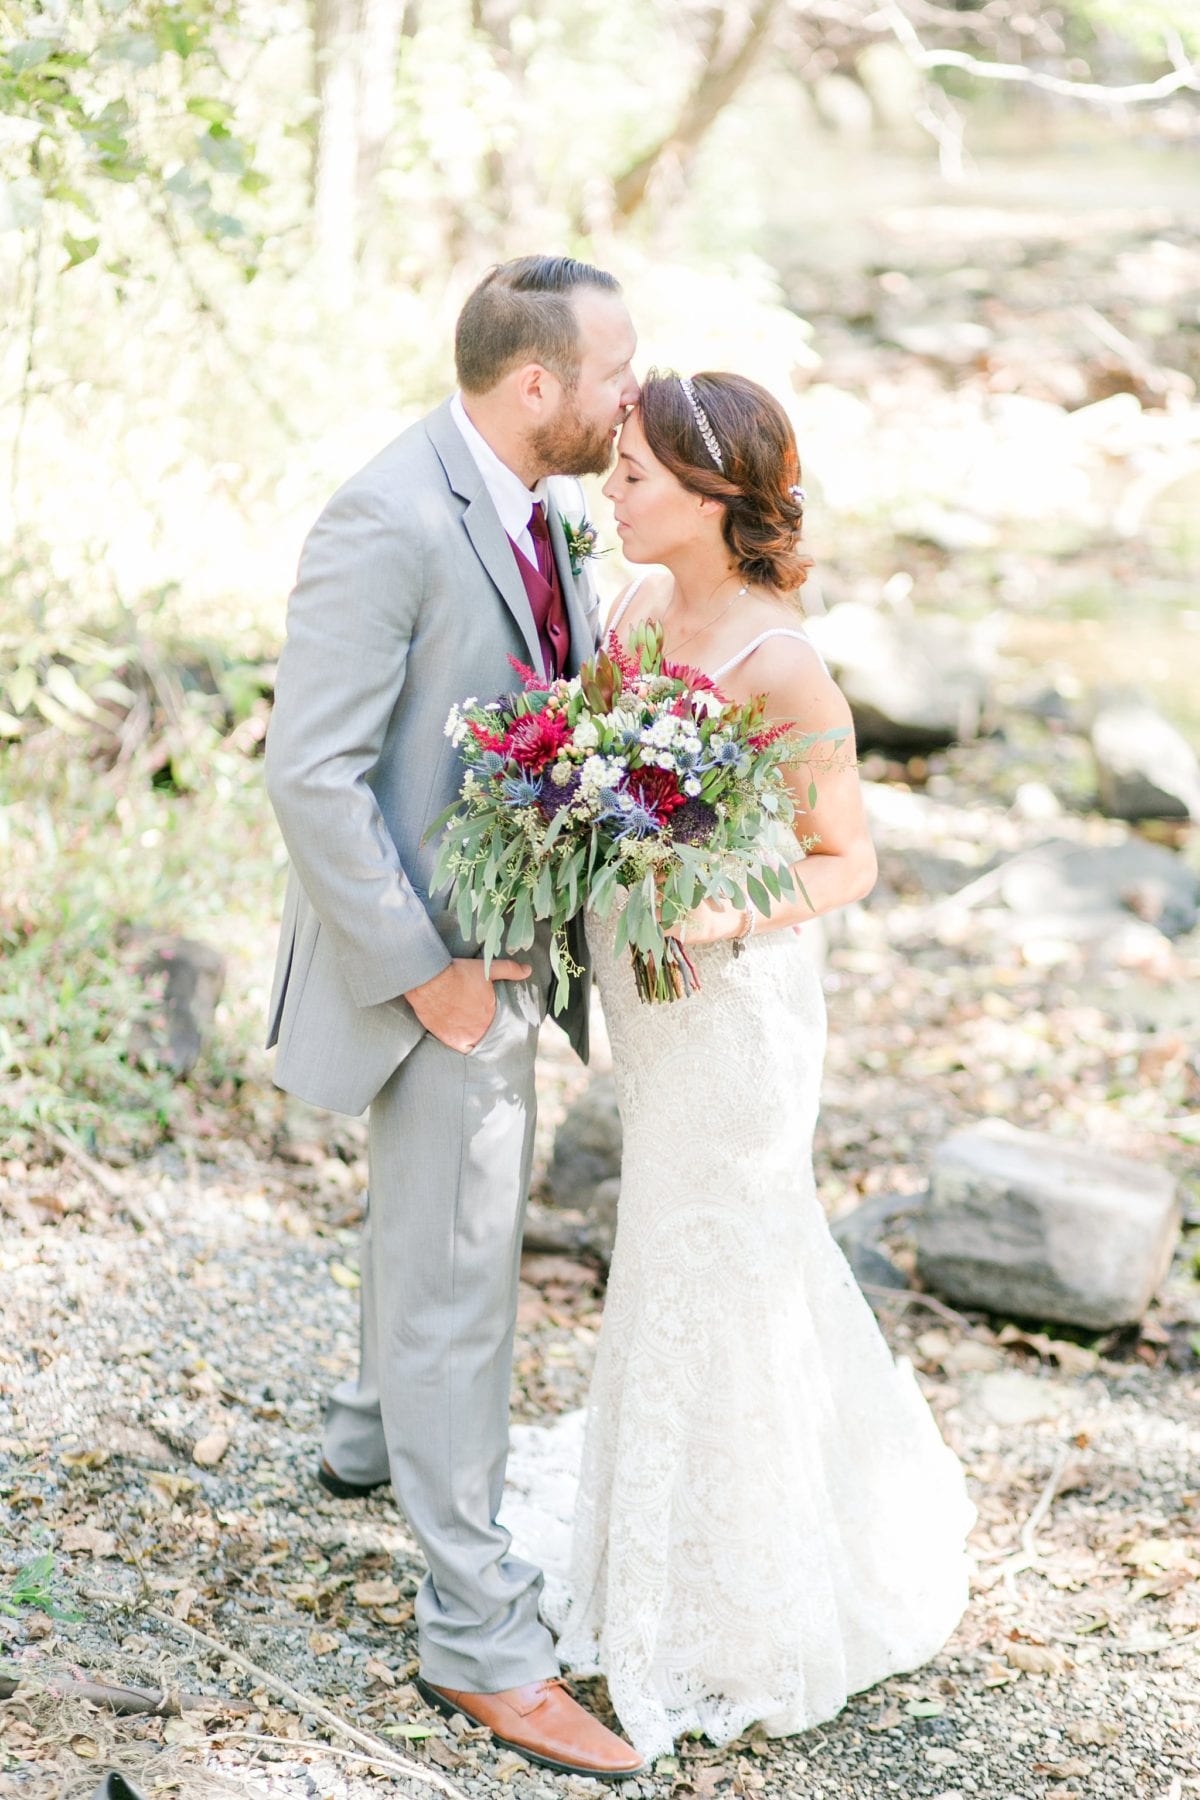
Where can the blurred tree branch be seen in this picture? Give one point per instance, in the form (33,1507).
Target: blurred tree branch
(724,65)
(1183,73)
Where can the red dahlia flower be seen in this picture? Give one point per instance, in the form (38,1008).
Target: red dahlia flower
(657,790)
(535,740)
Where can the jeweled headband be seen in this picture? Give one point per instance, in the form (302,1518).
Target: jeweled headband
(702,425)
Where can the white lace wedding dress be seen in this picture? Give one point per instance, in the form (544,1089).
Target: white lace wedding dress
(766,1518)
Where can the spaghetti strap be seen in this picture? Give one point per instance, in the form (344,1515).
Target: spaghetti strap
(778,631)
(630,591)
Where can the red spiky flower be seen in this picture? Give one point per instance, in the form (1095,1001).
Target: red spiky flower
(535,740)
(630,668)
(529,677)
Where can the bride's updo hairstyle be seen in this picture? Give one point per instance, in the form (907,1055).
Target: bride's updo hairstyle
(757,484)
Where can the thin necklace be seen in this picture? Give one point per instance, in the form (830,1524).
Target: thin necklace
(676,648)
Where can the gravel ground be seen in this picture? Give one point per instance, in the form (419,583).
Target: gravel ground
(170,1331)
(225,1313)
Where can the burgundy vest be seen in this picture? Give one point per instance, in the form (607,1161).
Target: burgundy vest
(544,591)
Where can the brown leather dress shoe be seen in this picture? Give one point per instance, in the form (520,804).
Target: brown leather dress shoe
(544,1724)
(334,1483)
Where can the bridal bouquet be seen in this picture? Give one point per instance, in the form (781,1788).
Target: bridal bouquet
(636,776)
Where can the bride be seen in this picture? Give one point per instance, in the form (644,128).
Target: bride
(767,1520)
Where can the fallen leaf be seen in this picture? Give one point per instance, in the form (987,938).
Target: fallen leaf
(171,1485)
(441,1751)
(184,1731)
(1094,1731)
(379,1671)
(508,1766)
(1035,1659)
(90,1540)
(1158,1555)
(183,1602)
(925,1709)
(211,1448)
(86,1747)
(705,1783)
(889,1718)
(322,1643)
(85,1459)
(1064,1771)
(376,1593)
(344,1277)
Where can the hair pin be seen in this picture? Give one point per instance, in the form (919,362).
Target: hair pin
(702,423)
(798,495)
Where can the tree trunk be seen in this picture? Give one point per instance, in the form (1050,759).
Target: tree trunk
(355,44)
(335,173)
(722,73)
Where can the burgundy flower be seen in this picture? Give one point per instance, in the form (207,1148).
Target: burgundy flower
(657,790)
(535,740)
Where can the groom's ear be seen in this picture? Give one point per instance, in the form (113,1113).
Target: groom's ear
(536,387)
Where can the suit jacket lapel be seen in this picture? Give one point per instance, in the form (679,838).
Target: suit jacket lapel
(484,528)
(582,636)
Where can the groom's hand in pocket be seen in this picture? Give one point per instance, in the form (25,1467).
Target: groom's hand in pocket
(458,1006)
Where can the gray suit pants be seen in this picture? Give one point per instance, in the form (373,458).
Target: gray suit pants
(451,1139)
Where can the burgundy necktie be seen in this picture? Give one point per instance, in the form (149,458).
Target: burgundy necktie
(539,531)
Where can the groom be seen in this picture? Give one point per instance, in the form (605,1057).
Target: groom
(426,571)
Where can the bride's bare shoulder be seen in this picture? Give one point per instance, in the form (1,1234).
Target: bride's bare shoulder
(645,597)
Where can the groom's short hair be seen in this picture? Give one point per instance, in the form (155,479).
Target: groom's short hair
(521,312)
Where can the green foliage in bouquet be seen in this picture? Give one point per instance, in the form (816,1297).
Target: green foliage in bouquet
(637,777)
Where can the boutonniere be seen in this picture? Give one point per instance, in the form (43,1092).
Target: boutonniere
(581,543)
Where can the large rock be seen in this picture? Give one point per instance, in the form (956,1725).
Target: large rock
(585,1167)
(1023,1223)
(1145,769)
(1085,893)
(195,977)
(913,682)
(1084,889)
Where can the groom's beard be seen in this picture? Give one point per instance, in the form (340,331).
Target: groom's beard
(570,445)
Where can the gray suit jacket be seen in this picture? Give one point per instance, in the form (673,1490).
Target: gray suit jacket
(407,600)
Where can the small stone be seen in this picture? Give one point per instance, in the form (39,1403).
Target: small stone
(211,1448)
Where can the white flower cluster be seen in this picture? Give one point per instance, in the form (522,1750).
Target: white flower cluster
(600,772)
(586,734)
(663,741)
(455,727)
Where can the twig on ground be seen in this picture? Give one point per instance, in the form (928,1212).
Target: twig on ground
(1015,1562)
(257,1737)
(910,1297)
(103,1178)
(167,1702)
(1133,1648)
(307,1703)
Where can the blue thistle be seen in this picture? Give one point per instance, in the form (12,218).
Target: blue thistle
(518,790)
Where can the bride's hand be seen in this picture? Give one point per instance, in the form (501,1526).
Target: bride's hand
(711,922)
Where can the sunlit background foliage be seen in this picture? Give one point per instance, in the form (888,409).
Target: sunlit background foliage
(233,239)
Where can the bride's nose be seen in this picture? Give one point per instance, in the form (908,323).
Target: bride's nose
(609,490)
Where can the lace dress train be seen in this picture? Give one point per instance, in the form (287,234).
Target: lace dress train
(767,1518)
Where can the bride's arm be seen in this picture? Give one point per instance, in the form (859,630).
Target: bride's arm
(841,866)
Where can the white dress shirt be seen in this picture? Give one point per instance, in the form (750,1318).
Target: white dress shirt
(512,499)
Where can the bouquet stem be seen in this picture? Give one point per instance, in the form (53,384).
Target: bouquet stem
(672,978)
